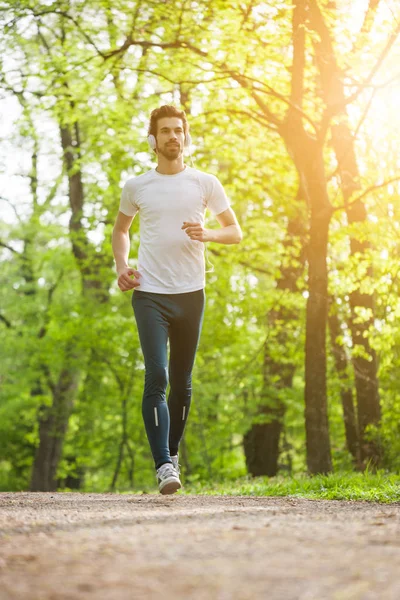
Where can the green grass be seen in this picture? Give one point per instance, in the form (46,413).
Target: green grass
(372,487)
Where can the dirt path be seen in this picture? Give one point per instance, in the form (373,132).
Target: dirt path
(104,546)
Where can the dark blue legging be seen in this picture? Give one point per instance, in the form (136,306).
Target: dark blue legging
(177,318)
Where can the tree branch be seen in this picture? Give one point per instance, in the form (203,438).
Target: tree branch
(52,289)
(298,42)
(372,188)
(64,14)
(338,107)
(242,262)
(12,206)
(358,127)
(146,44)
(367,24)
(185,81)
(289,101)
(221,67)
(253,114)
(6,322)
(9,247)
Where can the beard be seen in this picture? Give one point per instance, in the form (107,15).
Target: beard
(170,152)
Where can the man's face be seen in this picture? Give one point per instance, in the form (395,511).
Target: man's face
(170,137)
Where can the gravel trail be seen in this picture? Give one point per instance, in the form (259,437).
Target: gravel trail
(70,546)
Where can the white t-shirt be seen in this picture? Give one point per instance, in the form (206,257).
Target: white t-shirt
(169,261)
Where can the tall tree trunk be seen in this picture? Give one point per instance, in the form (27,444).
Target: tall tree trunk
(96,275)
(316,411)
(53,424)
(346,392)
(307,153)
(365,365)
(53,420)
(261,442)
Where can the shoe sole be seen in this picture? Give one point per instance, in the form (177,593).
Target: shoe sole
(170,486)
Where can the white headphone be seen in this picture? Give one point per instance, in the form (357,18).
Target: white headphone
(153,144)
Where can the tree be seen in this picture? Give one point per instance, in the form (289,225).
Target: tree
(275,105)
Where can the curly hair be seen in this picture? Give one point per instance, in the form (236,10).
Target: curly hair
(166,111)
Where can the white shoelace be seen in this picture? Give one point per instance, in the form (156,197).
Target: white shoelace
(166,470)
(176,464)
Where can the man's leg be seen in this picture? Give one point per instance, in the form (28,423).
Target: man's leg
(184,337)
(153,334)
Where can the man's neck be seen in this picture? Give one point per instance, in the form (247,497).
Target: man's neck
(170,167)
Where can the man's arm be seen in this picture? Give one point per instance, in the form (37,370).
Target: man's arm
(229,233)
(120,245)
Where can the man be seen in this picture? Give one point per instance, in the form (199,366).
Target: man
(168,296)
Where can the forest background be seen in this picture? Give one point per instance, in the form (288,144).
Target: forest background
(294,106)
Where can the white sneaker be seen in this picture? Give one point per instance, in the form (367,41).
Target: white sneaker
(168,479)
(176,463)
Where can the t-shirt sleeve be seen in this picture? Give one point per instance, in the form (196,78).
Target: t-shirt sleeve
(217,200)
(127,203)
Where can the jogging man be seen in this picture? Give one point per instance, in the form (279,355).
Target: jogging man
(168,297)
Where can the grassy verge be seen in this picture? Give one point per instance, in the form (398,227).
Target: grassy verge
(373,487)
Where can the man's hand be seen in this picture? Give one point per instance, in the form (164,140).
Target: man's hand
(196,231)
(125,281)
